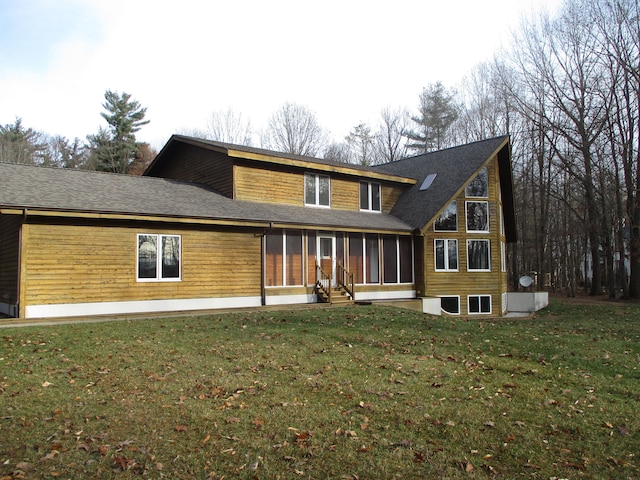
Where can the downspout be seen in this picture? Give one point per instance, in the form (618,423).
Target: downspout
(263,265)
(19,279)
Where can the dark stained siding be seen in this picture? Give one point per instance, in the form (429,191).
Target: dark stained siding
(9,257)
(198,165)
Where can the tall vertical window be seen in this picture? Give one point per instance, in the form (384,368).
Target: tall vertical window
(356,257)
(158,258)
(317,190)
(372,256)
(370,197)
(479,186)
(397,259)
(478,256)
(446,255)
(448,219)
(284,265)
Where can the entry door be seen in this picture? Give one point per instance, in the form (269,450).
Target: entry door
(327,256)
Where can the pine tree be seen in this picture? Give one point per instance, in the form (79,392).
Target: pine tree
(437,111)
(115,148)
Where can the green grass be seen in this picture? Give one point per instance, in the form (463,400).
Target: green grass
(347,393)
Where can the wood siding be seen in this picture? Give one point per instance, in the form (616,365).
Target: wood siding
(9,258)
(268,186)
(255,183)
(61,266)
(463,282)
(200,166)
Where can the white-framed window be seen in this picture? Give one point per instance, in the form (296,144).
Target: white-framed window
(446,255)
(450,304)
(479,304)
(478,256)
(477,217)
(158,258)
(479,186)
(284,262)
(317,190)
(447,221)
(397,259)
(370,197)
(503,256)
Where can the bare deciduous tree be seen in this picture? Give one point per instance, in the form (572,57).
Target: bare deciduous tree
(294,129)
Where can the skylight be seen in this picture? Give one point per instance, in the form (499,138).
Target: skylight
(428,181)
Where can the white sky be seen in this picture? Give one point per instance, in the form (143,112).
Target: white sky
(183,59)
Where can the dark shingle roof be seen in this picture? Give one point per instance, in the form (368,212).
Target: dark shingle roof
(453,168)
(41,188)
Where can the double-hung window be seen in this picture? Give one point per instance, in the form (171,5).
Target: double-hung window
(158,257)
(370,197)
(317,191)
(446,255)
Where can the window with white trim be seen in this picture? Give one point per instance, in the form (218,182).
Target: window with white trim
(479,186)
(317,190)
(446,255)
(158,258)
(450,305)
(370,197)
(479,304)
(478,252)
(477,217)
(397,259)
(447,221)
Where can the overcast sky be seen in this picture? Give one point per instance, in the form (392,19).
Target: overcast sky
(183,59)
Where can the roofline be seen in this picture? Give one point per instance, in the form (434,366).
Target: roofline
(279,158)
(92,215)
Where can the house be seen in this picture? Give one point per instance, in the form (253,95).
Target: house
(213,225)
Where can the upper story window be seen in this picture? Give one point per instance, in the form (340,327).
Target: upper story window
(158,258)
(448,219)
(477,217)
(479,186)
(317,191)
(370,197)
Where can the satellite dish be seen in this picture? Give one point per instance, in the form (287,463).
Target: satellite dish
(526,281)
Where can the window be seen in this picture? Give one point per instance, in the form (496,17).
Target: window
(283,263)
(370,197)
(478,217)
(316,190)
(356,257)
(450,305)
(448,219)
(478,256)
(503,256)
(397,259)
(158,257)
(372,258)
(479,304)
(446,255)
(479,186)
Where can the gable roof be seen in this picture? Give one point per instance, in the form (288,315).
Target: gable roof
(169,151)
(76,192)
(453,167)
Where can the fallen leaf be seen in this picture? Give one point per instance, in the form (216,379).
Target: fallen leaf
(180,428)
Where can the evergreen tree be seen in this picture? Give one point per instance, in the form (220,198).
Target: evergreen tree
(437,111)
(115,148)
(21,145)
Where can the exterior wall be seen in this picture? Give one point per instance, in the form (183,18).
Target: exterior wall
(9,262)
(201,166)
(268,185)
(63,265)
(463,282)
(284,186)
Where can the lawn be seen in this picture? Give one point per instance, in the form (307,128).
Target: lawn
(357,392)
